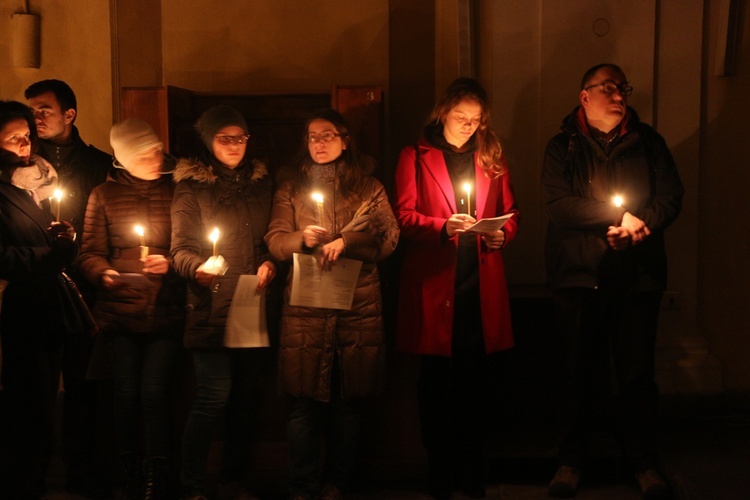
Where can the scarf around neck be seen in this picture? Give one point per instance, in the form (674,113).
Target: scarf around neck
(38,178)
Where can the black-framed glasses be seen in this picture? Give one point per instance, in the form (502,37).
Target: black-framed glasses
(610,88)
(324,137)
(226,140)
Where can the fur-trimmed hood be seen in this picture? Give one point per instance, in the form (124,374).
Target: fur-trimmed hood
(194,169)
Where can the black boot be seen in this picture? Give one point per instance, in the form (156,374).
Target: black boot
(155,479)
(130,477)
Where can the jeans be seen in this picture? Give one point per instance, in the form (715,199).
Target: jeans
(338,422)
(226,384)
(144,365)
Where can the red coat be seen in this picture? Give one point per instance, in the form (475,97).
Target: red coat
(424,201)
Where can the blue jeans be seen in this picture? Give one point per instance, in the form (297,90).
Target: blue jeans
(226,383)
(338,421)
(144,366)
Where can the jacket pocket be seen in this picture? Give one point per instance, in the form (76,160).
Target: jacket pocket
(222,292)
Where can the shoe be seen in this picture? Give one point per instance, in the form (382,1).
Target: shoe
(155,485)
(565,482)
(653,486)
(129,477)
(330,492)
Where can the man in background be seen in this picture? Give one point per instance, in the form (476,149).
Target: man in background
(611,189)
(80,168)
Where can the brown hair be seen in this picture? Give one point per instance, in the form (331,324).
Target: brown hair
(349,171)
(489,151)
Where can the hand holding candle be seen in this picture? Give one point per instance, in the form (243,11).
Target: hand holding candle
(215,265)
(318,198)
(58,197)
(144,249)
(467,188)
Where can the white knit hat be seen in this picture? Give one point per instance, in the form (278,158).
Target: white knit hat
(130,138)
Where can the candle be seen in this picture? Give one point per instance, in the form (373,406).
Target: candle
(617,200)
(144,249)
(318,207)
(58,197)
(467,188)
(214,237)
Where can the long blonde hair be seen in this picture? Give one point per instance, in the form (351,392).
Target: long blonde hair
(490,153)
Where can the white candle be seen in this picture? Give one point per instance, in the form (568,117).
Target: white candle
(318,207)
(58,197)
(467,188)
(214,237)
(140,232)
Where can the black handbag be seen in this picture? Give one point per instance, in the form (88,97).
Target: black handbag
(78,314)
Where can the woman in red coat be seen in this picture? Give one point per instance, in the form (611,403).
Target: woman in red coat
(454,308)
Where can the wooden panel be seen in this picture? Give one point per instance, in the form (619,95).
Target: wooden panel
(362,106)
(150,105)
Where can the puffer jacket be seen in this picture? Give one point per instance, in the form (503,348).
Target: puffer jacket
(311,336)
(237,202)
(110,242)
(641,169)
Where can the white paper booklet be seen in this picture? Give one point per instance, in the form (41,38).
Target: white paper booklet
(315,287)
(490,225)
(246,322)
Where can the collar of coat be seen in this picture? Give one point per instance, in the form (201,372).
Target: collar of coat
(193,169)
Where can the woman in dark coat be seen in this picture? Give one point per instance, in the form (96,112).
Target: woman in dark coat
(144,320)
(224,189)
(36,305)
(329,359)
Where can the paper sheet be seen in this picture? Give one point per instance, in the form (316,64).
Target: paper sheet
(313,287)
(246,321)
(490,225)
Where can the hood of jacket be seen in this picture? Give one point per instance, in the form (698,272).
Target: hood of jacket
(195,170)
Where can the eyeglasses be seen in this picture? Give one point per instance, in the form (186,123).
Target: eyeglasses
(226,140)
(18,138)
(324,137)
(610,88)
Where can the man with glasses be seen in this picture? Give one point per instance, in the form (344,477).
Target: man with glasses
(80,168)
(611,189)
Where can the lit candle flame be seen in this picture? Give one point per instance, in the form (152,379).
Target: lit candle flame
(467,188)
(617,200)
(214,237)
(58,197)
(318,198)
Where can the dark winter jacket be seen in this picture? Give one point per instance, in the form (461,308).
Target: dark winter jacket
(110,242)
(639,167)
(237,202)
(310,337)
(80,169)
(36,304)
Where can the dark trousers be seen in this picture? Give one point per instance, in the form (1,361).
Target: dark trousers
(609,340)
(226,385)
(316,425)
(30,375)
(451,395)
(144,366)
